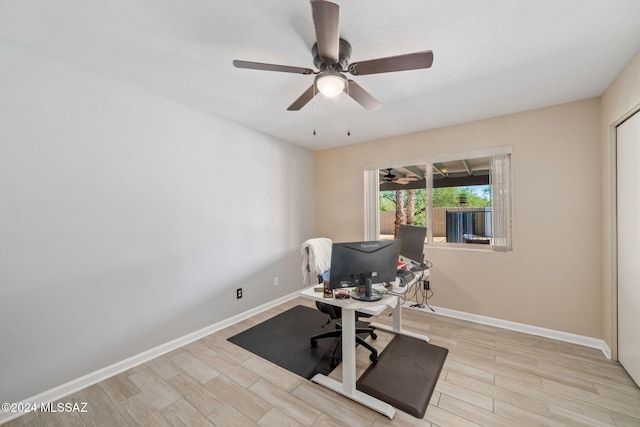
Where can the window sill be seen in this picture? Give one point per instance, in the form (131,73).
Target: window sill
(460,246)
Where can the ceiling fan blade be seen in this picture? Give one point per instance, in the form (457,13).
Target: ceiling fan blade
(361,96)
(404,181)
(303,99)
(271,67)
(410,61)
(326,17)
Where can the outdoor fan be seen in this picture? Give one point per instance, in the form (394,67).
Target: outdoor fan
(331,58)
(403,180)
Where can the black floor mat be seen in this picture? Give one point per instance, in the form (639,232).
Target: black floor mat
(405,374)
(285,340)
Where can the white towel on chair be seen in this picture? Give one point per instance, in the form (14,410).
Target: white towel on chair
(316,258)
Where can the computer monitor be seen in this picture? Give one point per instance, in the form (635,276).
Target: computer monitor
(362,264)
(412,238)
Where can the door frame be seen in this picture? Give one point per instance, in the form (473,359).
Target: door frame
(613,226)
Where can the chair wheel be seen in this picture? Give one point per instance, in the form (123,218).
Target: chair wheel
(373,335)
(314,343)
(373,357)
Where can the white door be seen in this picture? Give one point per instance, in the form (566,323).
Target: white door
(628,200)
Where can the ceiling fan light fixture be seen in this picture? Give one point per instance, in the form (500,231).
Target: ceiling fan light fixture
(330,83)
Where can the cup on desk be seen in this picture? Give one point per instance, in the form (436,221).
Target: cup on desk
(341,294)
(327,290)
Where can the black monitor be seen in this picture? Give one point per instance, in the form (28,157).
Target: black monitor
(362,264)
(412,238)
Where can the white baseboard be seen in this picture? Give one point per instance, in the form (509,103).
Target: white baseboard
(524,328)
(92,378)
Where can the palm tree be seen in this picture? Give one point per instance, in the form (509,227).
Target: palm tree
(400,212)
(411,206)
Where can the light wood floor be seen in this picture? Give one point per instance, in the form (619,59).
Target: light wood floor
(492,377)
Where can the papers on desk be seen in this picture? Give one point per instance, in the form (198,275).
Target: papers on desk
(402,284)
(395,288)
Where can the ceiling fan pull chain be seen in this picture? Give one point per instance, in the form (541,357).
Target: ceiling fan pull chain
(348,110)
(314,109)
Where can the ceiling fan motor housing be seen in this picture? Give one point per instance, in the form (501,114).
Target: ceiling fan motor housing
(343,58)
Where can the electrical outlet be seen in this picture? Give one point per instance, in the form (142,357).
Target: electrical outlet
(238,293)
(275,281)
(426,285)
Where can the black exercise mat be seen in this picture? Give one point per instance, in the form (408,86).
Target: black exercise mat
(405,374)
(285,340)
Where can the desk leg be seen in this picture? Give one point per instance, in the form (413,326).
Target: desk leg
(348,350)
(397,317)
(397,325)
(348,386)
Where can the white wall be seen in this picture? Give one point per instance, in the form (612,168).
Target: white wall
(128,220)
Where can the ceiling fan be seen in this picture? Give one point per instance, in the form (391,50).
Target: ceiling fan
(331,56)
(403,180)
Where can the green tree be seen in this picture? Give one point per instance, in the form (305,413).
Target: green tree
(387,201)
(419,199)
(447,197)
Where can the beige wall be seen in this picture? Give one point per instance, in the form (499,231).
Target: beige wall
(619,100)
(552,279)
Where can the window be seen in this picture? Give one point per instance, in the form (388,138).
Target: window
(463,200)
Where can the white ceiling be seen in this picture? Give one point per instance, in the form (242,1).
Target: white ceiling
(491,57)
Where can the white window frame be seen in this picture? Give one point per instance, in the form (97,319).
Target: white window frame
(372,188)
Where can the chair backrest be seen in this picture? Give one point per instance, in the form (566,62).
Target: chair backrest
(316,258)
(333,311)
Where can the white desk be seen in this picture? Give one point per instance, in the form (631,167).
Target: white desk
(397,311)
(349,306)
